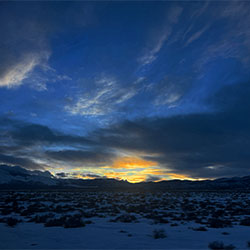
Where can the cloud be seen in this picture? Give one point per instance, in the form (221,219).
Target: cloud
(174,14)
(204,145)
(80,175)
(156,44)
(35,134)
(92,158)
(86,175)
(127,162)
(151,54)
(234,38)
(24,44)
(21,161)
(26,30)
(152,178)
(62,175)
(18,72)
(29,145)
(193,145)
(104,97)
(198,12)
(205,49)
(197,35)
(170,90)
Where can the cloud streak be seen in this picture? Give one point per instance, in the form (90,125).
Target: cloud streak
(25,46)
(154,48)
(20,71)
(104,98)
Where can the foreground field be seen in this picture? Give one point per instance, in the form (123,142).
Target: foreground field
(106,220)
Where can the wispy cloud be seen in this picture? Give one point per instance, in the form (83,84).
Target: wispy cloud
(17,73)
(170,90)
(25,46)
(167,99)
(157,43)
(151,54)
(103,99)
(196,35)
(235,41)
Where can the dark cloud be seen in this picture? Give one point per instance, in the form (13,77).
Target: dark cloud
(26,138)
(31,134)
(21,161)
(17,154)
(199,145)
(62,175)
(94,157)
(152,178)
(87,175)
(76,175)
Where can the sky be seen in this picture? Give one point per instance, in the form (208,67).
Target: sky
(133,90)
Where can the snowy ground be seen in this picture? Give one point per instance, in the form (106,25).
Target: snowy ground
(102,220)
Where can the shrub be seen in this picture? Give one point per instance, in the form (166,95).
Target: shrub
(161,220)
(123,231)
(65,221)
(174,225)
(218,213)
(127,218)
(55,222)
(199,229)
(41,218)
(11,222)
(218,223)
(6,210)
(159,234)
(73,221)
(88,221)
(89,214)
(245,222)
(220,245)
(248,244)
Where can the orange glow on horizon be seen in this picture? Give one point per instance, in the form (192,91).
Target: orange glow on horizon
(133,169)
(183,177)
(178,176)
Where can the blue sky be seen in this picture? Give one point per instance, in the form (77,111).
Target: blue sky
(79,70)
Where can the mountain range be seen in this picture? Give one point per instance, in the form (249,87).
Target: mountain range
(15,177)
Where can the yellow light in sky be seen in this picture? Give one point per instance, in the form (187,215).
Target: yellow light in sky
(132,162)
(177,176)
(134,169)
(79,176)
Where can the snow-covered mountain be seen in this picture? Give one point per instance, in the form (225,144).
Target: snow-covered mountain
(12,177)
(14,174)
